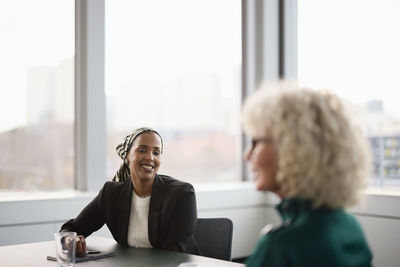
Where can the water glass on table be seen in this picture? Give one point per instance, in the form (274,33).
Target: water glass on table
(65,248)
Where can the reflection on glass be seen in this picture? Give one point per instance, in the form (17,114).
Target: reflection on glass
(37,95)
(357,56)
(177,68)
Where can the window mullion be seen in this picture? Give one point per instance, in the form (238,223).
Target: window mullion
(90,128)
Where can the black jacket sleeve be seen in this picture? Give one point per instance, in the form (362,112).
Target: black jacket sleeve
(89,220)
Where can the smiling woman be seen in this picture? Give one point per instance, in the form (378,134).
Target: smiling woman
(307,150)
(140,207)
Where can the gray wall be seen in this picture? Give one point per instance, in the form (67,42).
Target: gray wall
(380,219)
(35,217)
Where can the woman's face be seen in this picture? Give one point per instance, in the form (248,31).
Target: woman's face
(144,157)
(263,158)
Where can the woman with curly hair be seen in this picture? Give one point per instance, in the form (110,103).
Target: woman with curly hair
(306,149)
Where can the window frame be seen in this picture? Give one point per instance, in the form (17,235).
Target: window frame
(90,122)
(260,62)
(260,53)
(288,33)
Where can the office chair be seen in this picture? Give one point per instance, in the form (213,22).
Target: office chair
(214,237)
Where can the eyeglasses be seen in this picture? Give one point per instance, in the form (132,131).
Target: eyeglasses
(254,141)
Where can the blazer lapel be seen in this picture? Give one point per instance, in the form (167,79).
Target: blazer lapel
(124,210)
(155,208)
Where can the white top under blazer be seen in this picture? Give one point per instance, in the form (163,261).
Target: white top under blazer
(138,234)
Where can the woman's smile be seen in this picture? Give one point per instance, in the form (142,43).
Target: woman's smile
(147,167)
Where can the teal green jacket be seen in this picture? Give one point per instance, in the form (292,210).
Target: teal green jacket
(312,237)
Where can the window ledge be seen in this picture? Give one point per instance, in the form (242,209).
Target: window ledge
(384,191)
(231,186)
(7,196)
(43,195)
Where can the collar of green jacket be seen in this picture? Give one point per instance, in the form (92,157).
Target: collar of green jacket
(291,208)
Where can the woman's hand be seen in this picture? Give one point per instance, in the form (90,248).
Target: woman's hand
(80,246)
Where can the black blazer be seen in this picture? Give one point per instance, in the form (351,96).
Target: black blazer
(172,214)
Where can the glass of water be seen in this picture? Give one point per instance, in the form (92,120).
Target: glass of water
(65,248)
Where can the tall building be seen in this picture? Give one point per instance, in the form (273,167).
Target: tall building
(50,92)
(40,87)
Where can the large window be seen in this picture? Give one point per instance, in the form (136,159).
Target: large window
(176,66)
(352,47)
(36,95)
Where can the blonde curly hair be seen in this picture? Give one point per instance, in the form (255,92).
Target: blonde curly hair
(322,155)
